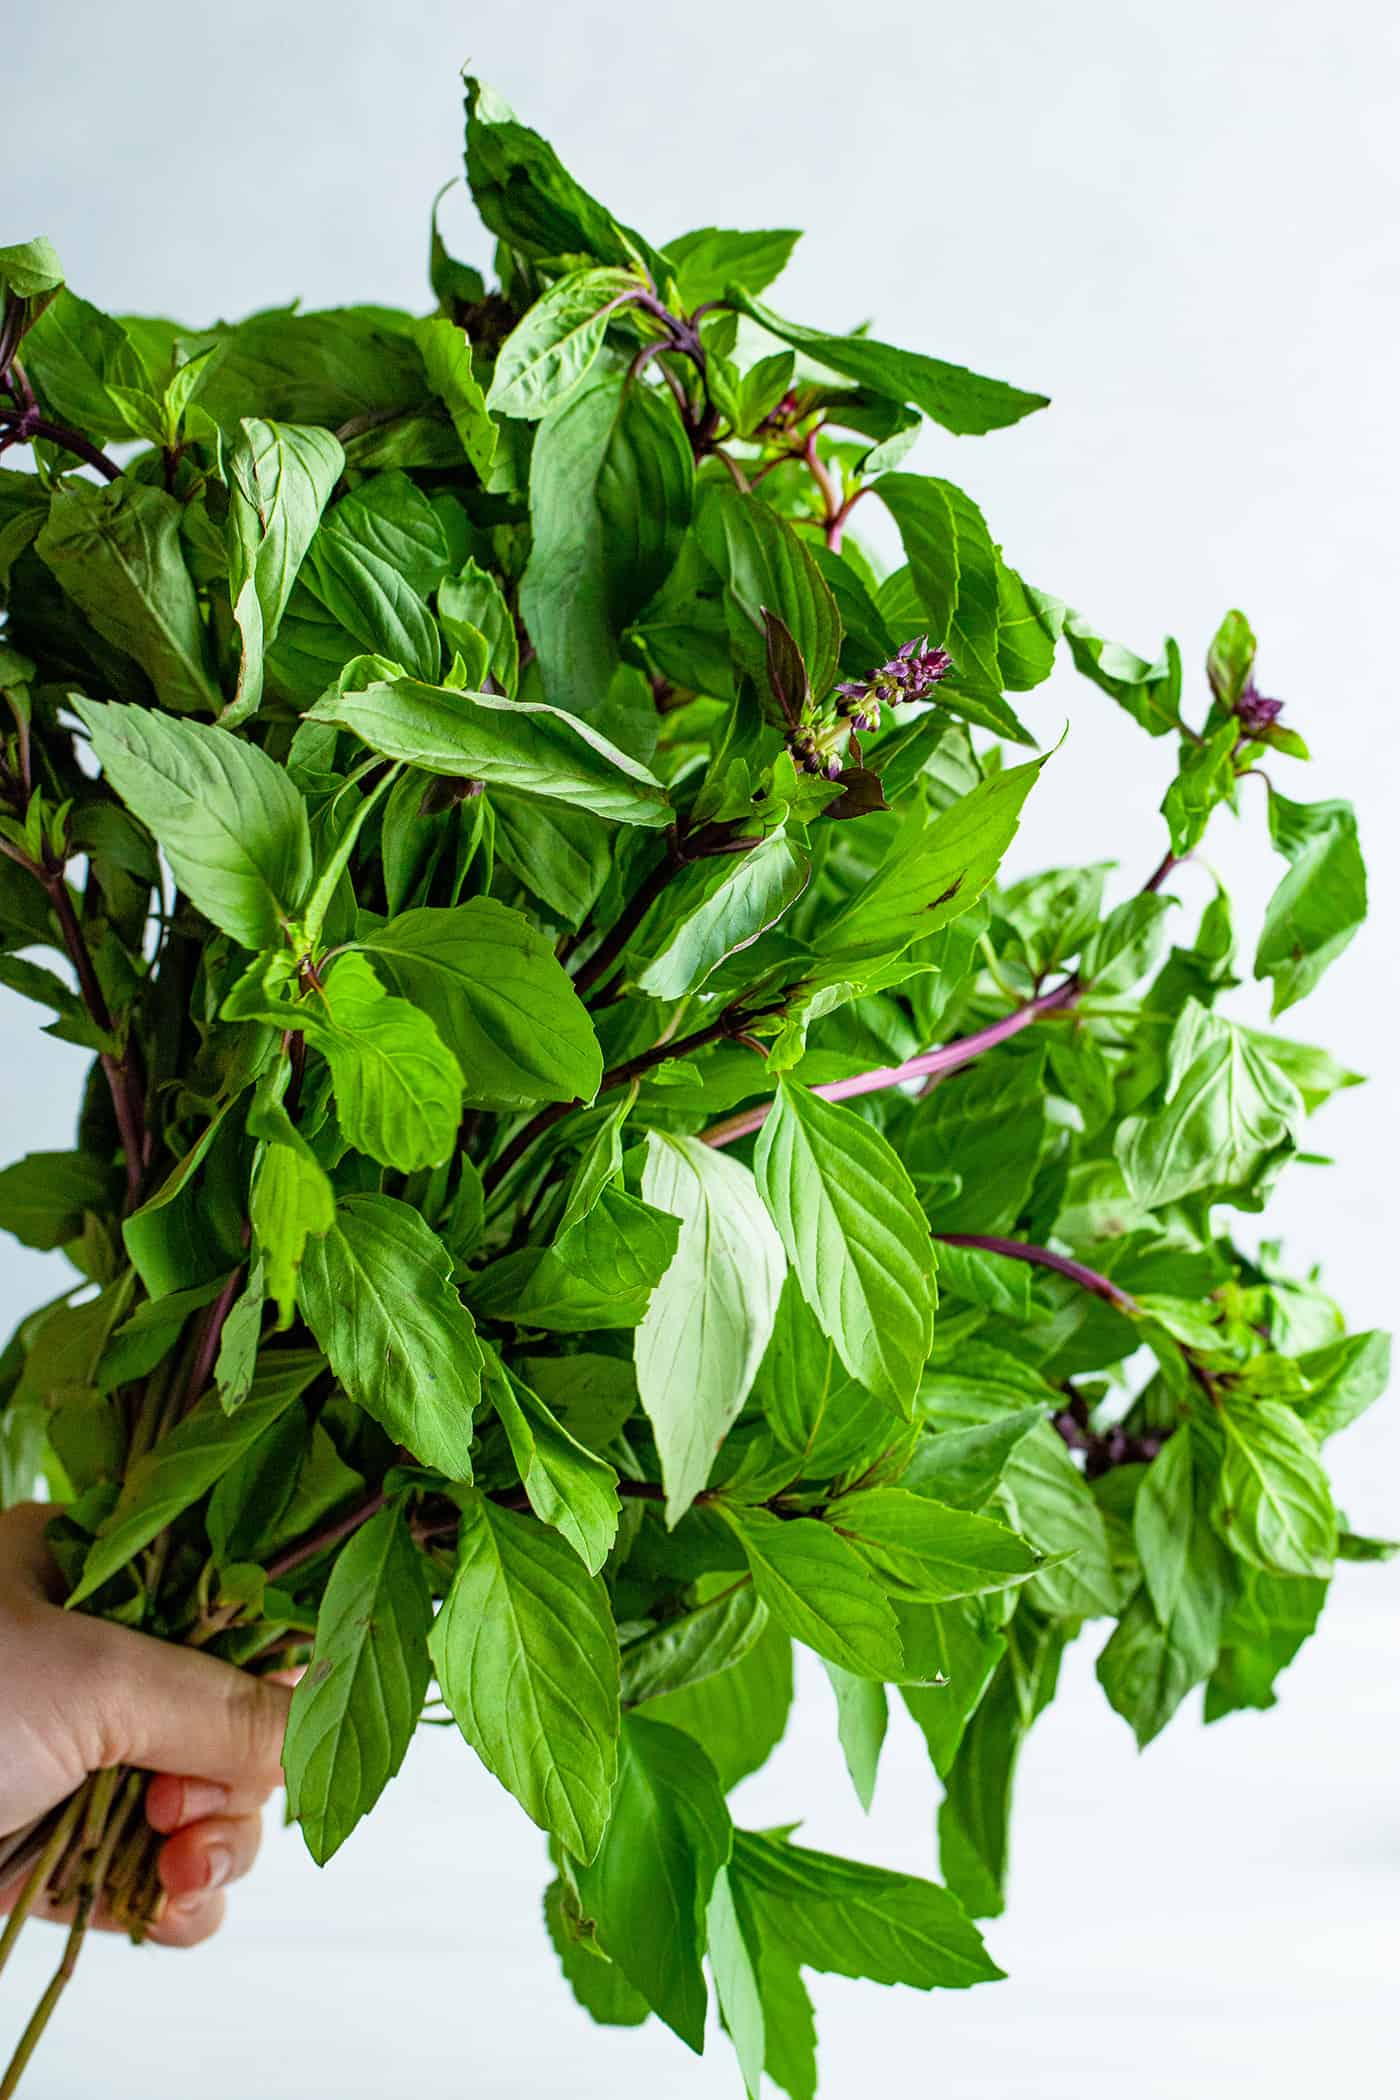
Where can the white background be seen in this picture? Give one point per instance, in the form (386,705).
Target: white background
(1179,222)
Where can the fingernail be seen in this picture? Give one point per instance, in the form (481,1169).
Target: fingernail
(201,1797)
(218,1861)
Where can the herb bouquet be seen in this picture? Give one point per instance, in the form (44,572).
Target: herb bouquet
(586,1178)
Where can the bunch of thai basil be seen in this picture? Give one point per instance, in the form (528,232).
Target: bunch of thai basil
(587,1178)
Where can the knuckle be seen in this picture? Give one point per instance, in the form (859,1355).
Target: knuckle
(109,1691)
(256,1715)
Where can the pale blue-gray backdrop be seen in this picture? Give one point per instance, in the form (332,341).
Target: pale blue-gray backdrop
(1178,221)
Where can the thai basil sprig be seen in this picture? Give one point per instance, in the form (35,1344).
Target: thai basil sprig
(595,1171)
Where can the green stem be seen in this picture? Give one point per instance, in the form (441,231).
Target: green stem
(39,1874)
(63,1975)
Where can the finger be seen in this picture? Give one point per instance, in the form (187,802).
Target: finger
(173,1802)
(174,1709)
(209,1854)
(184,1923)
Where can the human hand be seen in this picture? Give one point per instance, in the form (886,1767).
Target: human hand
(80,1694)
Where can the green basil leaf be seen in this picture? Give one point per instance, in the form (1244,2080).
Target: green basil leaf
(862,1719)
(1043,1492)
(964,1467)
(549,353)
(291,1201)
(525,194)
(1206,779)
(597,1983)
(566,1485)
(1029,624)
(688,1650)
(280,478)
(925,1551)
(814,1407)
(377,1295)
(563,855)
(993,1280)
(184,1465)
(600,1272)
(446,352)
(765,567)
(817,1587)
(398,1088)
(1275,1506)
(31,268)
(957,1656)
(855,1235)
(73,355)
(937,877)
(710,1316)
(1316,909)
(1150,693)
(712,258)
(353,1713)
(1230,658)
(1271,1619)
(520,744)
(848,1919)
(1229,1111)
(190,1230)
(734,1966)
(954,566)
(649,1887)
(229,821)
(1126,946)
(474,598)
(960,400)
(989,1126)
(1344,1379)
(1163,1514)
(372,563)
(116,552)
(611,483)
(526,1653)
(739,1714)
(718,907)
(1144,1673)
(44,1196)
(503,1005)
(973,1821)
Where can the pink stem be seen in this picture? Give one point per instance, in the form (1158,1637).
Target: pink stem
(929,1064)
(1045,1258)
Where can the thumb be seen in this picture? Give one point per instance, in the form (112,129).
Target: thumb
(173,1709)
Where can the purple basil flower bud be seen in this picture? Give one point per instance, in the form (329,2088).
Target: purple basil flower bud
(1254,712)
(833,769)
(911,674)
